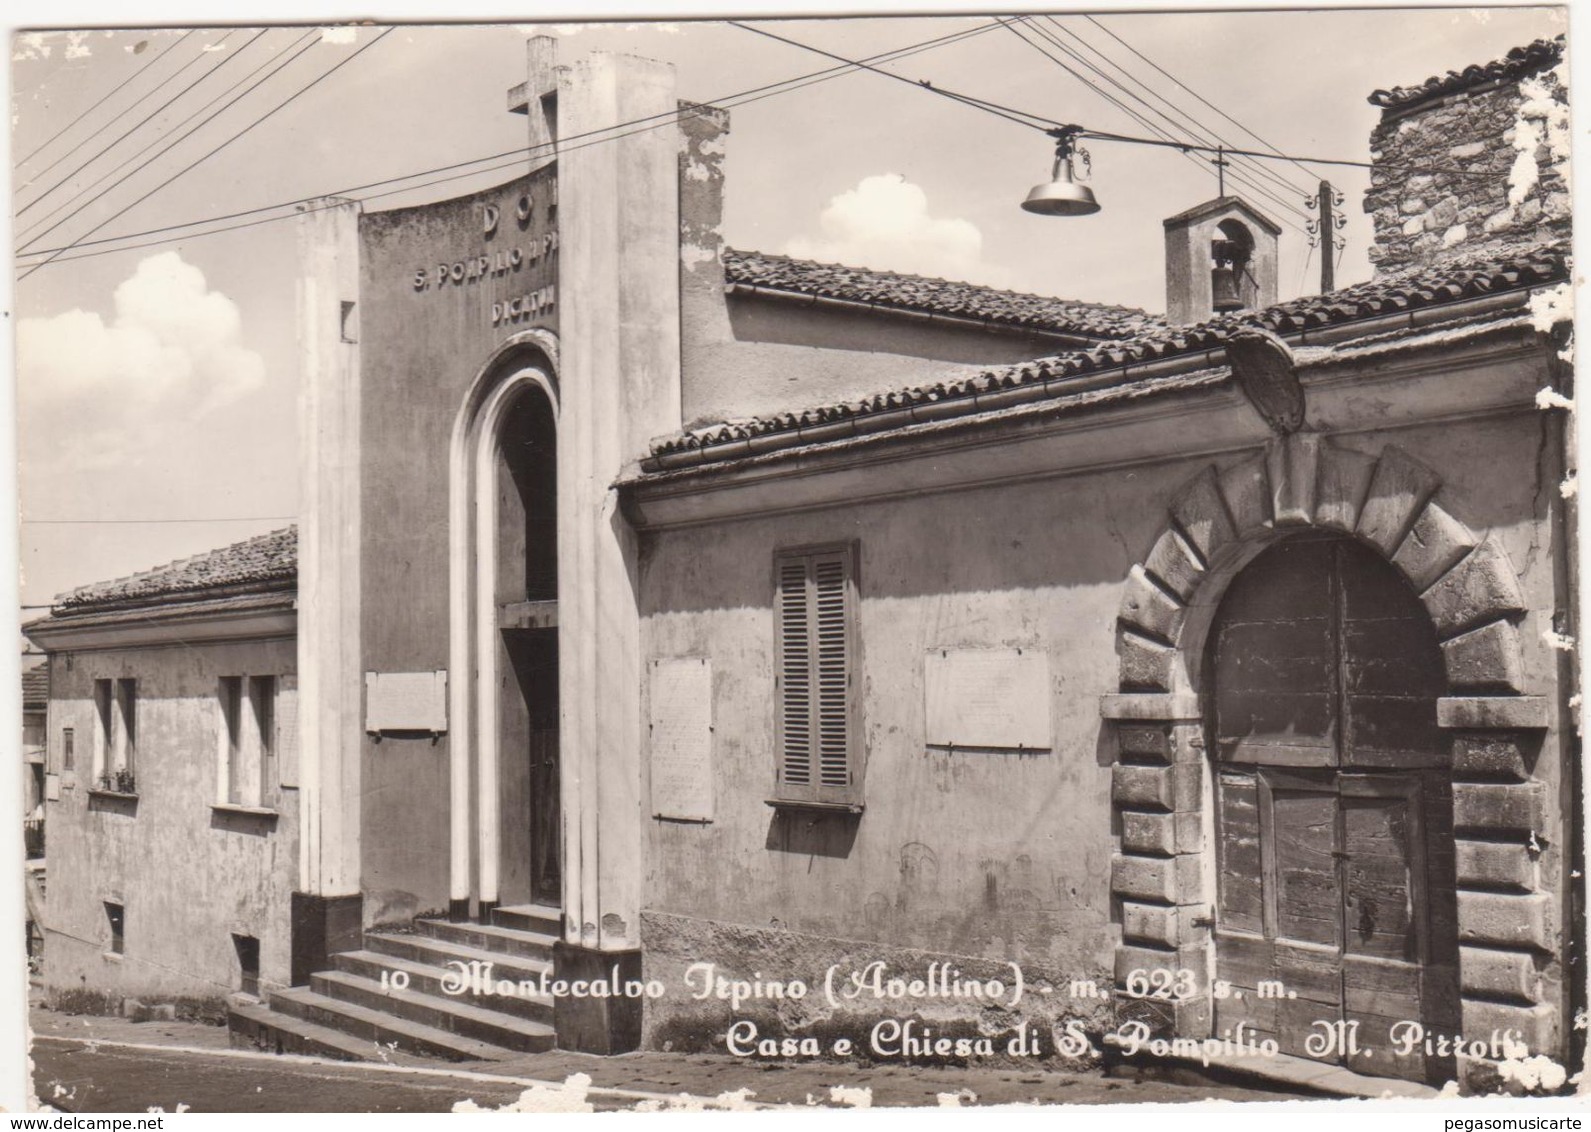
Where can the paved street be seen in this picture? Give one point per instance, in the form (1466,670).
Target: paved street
(79,1078)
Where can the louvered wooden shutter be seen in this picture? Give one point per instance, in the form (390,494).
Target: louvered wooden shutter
(832,671)
(817,750)
(795,674)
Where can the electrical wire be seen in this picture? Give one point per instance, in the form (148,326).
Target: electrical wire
(731,101)
(1242,175)
(1188,122)
(33,233)
(96,104)
(1236,175)
(217,149)
(1201,97)
(1049,125)
(140,123)
(1020,117)
(307,40)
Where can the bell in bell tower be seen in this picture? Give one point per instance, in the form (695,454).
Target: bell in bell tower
(1220,258)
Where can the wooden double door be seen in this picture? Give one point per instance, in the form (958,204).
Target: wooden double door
(1335,916)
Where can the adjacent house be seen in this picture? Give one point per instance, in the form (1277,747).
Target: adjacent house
(35,711)
(172,790)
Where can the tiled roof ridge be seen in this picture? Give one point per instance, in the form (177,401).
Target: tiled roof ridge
(1463,276)
(1519,62)
(263,558)
(904,291)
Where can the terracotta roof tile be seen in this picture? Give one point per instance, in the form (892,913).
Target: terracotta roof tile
(1521,61)
(1464,276)
(36,686)
(934,296)
(264,559)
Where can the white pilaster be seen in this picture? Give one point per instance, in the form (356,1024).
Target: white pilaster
(330,728)
(619,326)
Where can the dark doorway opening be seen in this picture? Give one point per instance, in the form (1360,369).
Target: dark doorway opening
(248,949)
(530,868)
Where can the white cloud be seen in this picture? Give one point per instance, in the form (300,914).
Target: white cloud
(884,223)
(92,391)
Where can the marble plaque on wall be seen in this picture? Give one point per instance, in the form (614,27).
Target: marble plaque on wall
(995,699)
(682,738)
(406,701)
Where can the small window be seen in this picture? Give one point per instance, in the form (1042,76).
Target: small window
(116,918)
(127,701)
(248,949)
(68,750)
(248,740)
(104,728)
(231,696)
(817,733)
(262,695)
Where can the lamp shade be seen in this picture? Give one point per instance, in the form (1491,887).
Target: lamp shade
(1061,196)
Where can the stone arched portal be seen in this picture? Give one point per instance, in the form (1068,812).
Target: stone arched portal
(1163,876)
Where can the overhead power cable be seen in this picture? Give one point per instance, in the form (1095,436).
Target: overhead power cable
(323,76)
(1201,98)
(1051,125)
(1159,132)
(518,155)
(97,103)
(140,123)
(1181,120)
(35,234)
(1020,117)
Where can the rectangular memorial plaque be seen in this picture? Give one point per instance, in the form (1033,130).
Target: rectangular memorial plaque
(682,738)
(406,701)
(987,698)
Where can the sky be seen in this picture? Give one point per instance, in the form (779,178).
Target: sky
(156,385)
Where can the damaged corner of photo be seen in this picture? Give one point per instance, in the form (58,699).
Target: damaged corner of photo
(873,562)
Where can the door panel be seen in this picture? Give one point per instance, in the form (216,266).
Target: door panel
(1302,837)
(1242,905)
(533,829)
(1384,911)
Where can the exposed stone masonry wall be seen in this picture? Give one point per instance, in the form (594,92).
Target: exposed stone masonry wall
(1425,197)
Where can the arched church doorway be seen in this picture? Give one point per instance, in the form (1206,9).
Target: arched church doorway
(526,677)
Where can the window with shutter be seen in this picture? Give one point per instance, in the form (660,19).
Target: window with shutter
(819,756)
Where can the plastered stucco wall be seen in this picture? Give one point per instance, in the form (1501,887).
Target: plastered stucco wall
(745,356)
(187,875)
(420,348)
(967,854)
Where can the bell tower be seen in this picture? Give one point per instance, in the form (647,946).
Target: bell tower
(1220,258)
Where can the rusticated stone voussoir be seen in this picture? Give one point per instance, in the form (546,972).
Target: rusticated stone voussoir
(1434,545)
(1481,587)
(1399,488)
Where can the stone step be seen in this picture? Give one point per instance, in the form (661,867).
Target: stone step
(260,1027)
(543,919)
(491,937)
(432,979)
(438,952)
(436,1011)
(383,1029)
